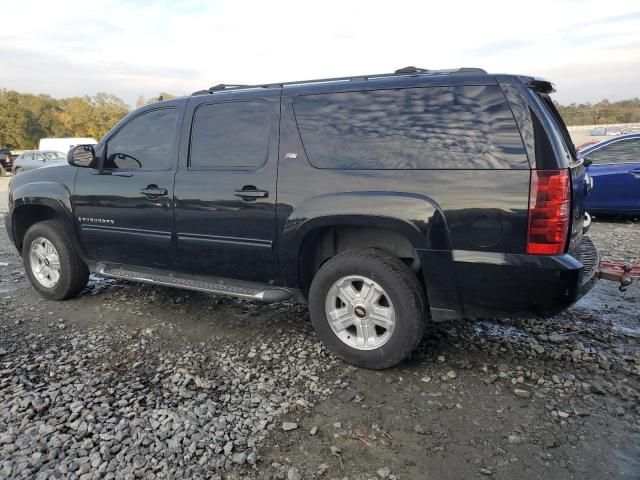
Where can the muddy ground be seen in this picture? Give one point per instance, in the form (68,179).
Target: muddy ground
(504,399)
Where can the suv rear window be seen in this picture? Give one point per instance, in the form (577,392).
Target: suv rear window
(467,127)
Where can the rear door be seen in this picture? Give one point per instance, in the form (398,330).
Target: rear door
(616,177)
(225,188)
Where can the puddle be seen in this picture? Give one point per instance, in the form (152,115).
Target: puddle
(627,463)
(606,305)
(99,284)
(493,329)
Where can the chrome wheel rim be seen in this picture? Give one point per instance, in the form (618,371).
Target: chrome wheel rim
(360,312)
(45,262)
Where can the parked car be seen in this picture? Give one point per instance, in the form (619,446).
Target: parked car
(6,161)
(613,131)
(383,201)
(598,131)
(32,159)
(615,172)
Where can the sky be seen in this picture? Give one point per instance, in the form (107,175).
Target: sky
(590,50)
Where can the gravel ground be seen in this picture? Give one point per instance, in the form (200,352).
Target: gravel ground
(135,381)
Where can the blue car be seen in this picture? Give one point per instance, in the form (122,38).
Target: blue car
(616,175)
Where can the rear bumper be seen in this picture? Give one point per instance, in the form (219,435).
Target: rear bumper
(493,284)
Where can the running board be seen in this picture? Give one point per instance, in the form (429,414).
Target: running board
(221,286)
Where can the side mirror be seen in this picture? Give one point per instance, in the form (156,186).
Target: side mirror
(587,161)
(81,156)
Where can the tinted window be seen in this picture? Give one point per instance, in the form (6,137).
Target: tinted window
(230,135)
(146,142)
(623,151)
(431,127)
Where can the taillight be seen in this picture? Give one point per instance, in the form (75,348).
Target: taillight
(549,212)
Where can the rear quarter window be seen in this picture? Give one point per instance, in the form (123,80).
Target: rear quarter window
(467,127)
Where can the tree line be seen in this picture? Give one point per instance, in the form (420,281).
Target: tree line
(601,113)
(26,118)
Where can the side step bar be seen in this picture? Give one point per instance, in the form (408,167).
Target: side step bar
(221,286)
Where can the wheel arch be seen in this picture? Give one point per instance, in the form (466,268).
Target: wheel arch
(407,220)
(38,201)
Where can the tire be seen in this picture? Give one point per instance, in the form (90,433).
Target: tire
(402,296)
(73,273)
(17,170)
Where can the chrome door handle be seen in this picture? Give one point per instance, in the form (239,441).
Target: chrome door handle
(251,194)
(153,191)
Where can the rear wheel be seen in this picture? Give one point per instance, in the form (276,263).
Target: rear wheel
(52,265)
(368,308)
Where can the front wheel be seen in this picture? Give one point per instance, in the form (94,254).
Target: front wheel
(368,308)
(54,268)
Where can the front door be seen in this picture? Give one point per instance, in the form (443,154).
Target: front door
(225,189)
(123,209)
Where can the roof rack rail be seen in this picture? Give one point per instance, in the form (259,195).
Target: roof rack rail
(219,87)
(408,71)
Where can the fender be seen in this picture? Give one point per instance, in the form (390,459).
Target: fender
(54,195)
(417,217)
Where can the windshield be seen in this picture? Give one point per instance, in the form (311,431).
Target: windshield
(54,155)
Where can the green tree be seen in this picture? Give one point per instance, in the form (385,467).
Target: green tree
(26,118)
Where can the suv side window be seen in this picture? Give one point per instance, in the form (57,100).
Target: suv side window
(622,151)
(230,135)
(465,127)
(145,143)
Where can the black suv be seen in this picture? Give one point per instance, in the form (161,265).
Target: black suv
(384,201)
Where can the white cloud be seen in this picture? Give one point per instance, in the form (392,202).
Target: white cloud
(135,47)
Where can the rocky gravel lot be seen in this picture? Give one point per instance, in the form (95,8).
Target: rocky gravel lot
(135,381)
